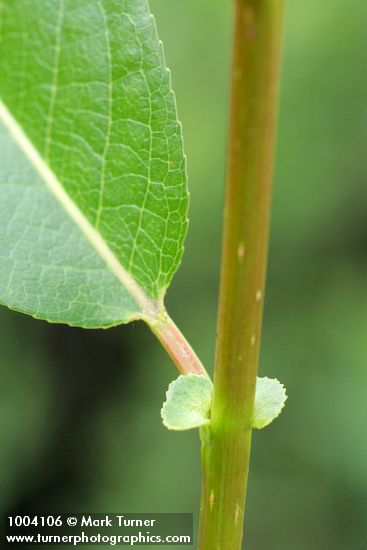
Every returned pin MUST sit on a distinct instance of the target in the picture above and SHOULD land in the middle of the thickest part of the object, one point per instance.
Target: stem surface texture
(226, 446)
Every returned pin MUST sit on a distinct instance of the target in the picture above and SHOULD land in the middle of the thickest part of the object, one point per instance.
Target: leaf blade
(135, 266)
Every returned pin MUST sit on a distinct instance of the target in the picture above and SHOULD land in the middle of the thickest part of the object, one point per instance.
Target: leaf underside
(93, 196)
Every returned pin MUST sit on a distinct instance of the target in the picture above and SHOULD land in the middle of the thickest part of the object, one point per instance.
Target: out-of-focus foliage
(80, 423)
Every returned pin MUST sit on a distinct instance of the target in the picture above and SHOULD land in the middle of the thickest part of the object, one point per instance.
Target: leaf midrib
(149, 307)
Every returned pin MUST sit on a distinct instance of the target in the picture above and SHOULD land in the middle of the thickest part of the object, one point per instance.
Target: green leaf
(269, 401)
(93, 197)
(188, 403)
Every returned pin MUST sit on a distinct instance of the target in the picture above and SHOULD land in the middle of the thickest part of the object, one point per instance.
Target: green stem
(226, 450)
(176, 344)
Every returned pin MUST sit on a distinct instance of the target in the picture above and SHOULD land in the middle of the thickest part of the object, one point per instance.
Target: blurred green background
(79, 410)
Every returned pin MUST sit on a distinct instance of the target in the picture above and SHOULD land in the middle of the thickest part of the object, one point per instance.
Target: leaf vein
(55, 77)
(109, 120)
(148, 306)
